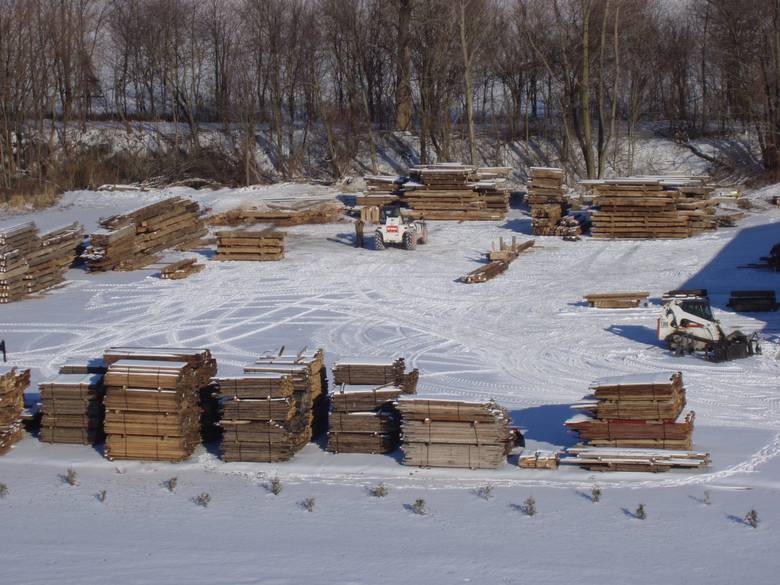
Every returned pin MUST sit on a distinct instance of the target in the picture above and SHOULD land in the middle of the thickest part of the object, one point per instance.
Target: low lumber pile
(652, 460)
(12, 386)
(263, 244)
(72, 407)
(635, 411)
(375, 371)
(181, 269)
(282, 214)
(546, 199)
(454, 433)
(753, 300)
(132, 240)
(31, 262)
(569, 228)
(381, 190)
(500, 259)
(539, 460)
(616, 300)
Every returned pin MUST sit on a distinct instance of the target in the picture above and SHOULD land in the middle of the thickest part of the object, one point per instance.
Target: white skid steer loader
(687, 325)
(395, 229)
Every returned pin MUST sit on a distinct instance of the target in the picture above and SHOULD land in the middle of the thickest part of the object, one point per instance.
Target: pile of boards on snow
(616, 300)
(180, 269)
(381, 190)
(637, 411)
(363, 418)
(454, 433)
(546, 200)
(275, 408)
(158, 402)
(260, 244)
(753, 300)
(31, 262)
(13, 383)
(499, 261)
(652, 207)
(282, 214)
(132, 240)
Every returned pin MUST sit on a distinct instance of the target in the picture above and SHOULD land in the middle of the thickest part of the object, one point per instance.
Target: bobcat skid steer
(687, 325)
(395, 229)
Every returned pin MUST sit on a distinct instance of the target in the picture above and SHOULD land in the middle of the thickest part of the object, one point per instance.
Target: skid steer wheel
(410, 241)
(676, 344)
(379, 242)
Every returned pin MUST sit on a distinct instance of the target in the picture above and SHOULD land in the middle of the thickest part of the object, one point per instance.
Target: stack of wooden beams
(132, 240)
(381, 190)
(13, 383)
(539, 460)
(616, 300)
(753, 300)
(545, 199)
(282, 214)
(569, 228)
(363, 419)
(697, 204)
(251, 244)
(72, 407)
(181, 269)
(454, 433)
(637, 411)
(652, 460)
(84, 366)
(370, 370)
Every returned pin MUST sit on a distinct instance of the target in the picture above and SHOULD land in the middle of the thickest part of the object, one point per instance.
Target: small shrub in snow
(751, 518)
(379, 490)
(170, 484)
(308, 504)
(707, 500)
(529, 506)
(70, 477)
(275, 486)
(419, 507)
(640, 512)
(485, 492)
(203, 500)
(101, 496)
(595, 494)
(3, 490)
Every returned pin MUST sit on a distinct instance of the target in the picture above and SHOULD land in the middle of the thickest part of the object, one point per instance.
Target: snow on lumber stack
(13, 383)
(546, 199)
(616, 300)
(132, 240)
(454, 433)
(375, 371)
(181, 269)
(363, 419)
(254, 245)
(72, 407)
(652, 460)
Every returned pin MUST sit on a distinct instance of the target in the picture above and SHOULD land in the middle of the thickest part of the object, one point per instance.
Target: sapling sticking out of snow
(640, 512)
(379, 490)
(485, 492)
(529, 506)
(203, 500)
(419, 507)
(308, 504)
(3, 490)
(101, 496)
(595, 494)
(70, 477)
(751, 518)
(275, 486)
(707, 501)
(170, 484)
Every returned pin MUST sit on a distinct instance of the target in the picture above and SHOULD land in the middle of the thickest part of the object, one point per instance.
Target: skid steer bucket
(734, 347)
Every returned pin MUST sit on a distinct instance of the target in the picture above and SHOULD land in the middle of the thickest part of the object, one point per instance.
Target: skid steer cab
(396, 230)
(687, 325)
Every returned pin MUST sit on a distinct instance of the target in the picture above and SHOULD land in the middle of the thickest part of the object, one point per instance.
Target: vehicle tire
(410, 241)
(676, 344)
(379, 242)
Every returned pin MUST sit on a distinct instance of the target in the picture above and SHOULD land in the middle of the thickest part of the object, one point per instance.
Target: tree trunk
(467, 85)
(403, 92)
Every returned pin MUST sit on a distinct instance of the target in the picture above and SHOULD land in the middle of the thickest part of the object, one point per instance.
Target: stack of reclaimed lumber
(616, 300)
(181, 269)
(261, 244)
(32, 262)
(569, 228)
(539, 460)
(454, 433)
(132, 240)
(72, 407)
(371, 370)
(500, 259)
(381, 190)
(753, 300)
(546, 199)
(636, 411)
(282, 214)
(652, 460)
(13, 383)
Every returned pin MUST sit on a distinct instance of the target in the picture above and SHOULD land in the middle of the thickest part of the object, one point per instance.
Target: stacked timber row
(132, 240)
(381, 190)
(72, 407)
(31, 262)
(13, 383)
(546, 199)
(282, 214)
(260, 417)
(635, 411)
(251, 244)
(363, 418)
(454, 433)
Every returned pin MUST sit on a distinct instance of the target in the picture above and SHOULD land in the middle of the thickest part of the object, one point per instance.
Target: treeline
(327, 76)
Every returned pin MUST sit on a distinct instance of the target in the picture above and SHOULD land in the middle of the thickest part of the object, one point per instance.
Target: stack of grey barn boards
(154, 401)
(363, 418)
(271, 411)
(442, 432)
(72, 404)
(13, 382)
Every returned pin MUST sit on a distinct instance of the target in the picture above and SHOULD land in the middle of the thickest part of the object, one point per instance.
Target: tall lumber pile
(546, 199)
(72, 407)
(265, 244)
(132, 240)
(31, 262)
(635, 411)
(13, 383)
(454, 433)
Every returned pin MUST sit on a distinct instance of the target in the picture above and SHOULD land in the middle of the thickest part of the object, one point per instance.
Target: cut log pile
(13, 383)
(281, 214)
(753, 300)
(31, 262)
(652, 207)
(264, 244)
(72, 407)
(637, 411)
(500, 259)
(132, 240)
(454, 433)
(181, 269)
(616, 300)
(546, 199)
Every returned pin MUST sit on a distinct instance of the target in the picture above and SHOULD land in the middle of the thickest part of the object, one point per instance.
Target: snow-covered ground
(525, 339)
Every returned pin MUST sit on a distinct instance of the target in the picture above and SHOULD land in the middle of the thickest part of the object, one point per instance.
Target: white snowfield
(525, 339)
